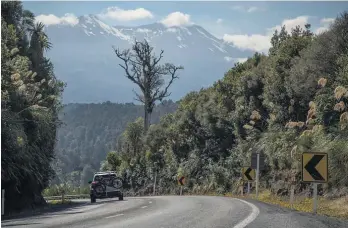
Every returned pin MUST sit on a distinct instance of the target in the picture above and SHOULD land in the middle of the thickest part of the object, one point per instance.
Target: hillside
(90, 131)
(292, 101)
(83, 57)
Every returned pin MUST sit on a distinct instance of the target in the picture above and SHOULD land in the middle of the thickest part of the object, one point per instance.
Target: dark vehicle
(105, 185)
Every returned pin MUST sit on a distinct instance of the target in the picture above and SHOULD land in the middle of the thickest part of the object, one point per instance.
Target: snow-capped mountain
(83, 57)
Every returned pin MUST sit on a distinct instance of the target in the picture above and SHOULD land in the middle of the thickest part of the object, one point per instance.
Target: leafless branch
(172, 70)
(139, 97)
(142, 67)
(125, 55)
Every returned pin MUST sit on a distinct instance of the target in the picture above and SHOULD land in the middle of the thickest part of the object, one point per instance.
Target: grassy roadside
(337, 208)
(59, 202)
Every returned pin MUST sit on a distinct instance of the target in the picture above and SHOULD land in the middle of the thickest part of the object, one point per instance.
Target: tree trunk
(146, 119)
(154, 185)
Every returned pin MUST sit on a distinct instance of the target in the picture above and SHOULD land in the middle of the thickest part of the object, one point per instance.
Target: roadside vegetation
(58, 190)
(291, 101)
(30, 102)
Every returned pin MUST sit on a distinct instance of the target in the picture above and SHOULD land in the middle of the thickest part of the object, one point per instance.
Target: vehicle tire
(93, 199)
(120, 197)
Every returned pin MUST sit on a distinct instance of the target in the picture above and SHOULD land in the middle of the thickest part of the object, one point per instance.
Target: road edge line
(251, 217)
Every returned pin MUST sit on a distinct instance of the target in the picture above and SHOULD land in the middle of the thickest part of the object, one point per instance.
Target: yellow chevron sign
(248, 173)
(181, 180)
(315, 167)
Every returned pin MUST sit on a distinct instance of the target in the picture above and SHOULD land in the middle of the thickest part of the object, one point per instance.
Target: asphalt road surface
(176, 212)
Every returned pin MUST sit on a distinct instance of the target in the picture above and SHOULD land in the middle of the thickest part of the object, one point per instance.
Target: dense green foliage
(30, 99)
(89, 131)
(291, 101)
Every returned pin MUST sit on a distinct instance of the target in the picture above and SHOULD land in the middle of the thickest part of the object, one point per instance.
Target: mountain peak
(88, 18)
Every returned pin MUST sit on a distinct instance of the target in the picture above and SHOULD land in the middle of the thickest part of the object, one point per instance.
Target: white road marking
(150, 202)
(251, 217)
(144, 207)
(112, 216)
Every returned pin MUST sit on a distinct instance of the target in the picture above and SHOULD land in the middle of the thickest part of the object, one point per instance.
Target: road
(176, 212)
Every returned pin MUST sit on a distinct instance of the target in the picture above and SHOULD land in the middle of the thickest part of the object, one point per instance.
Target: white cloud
(250, 9)
(291, 23)
(219, 21)
(321, 30)
(119, 14)
(237, 60)
(51, 19)
(255, 42)
(177, 19)
(262, 42)
(325, 22)
(241, 60)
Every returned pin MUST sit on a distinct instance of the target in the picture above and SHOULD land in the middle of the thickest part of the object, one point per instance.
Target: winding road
(176, 212)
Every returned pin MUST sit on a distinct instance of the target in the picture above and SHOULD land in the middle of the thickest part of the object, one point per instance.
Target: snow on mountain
(83, 57)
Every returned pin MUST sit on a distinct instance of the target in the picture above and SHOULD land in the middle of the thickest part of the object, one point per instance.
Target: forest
(89, 132)
(293, 100)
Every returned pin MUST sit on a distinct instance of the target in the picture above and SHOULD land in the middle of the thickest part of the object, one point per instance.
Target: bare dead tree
(142, 67)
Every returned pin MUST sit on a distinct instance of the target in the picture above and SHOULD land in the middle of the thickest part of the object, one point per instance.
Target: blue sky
(245, 24)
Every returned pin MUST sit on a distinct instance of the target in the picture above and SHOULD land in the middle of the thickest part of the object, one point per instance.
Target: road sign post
(248, 187)
(315, 170)
(257, 175)
(315, 197)
(181, 182)
(154, 184)
(292, 193)
(258, 163)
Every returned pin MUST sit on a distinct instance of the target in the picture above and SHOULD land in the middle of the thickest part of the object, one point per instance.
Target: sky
(247, 25)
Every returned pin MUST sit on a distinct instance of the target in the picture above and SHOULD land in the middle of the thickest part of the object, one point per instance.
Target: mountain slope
(83, 57)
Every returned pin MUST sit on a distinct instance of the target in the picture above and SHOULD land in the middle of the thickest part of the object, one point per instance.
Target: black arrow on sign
(246, 173)
(181, 179)
(310, 167)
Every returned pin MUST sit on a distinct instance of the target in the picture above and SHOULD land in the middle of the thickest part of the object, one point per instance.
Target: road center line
(251, 217)
(144, 207)
(150, 202)
(112, 216)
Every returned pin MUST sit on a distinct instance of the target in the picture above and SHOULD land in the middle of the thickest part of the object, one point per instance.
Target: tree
(38, 44)
(142, 68)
